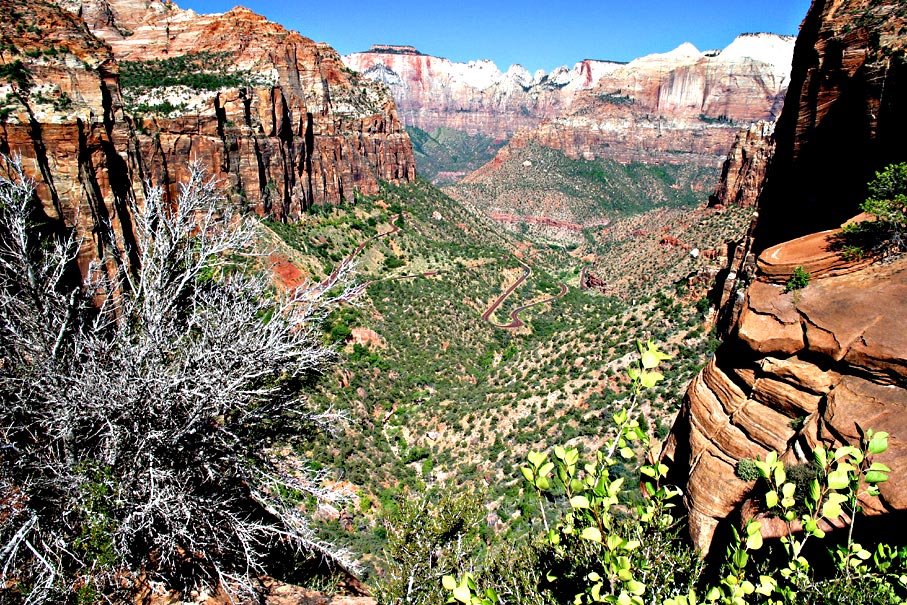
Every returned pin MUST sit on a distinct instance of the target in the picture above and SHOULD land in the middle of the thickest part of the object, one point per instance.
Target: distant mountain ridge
(474, 97)
(477, 97)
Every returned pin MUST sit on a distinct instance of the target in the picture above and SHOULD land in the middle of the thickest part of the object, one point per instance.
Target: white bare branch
(136, 434)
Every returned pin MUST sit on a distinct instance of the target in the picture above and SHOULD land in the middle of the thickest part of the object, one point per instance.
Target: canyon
(288, 128)
(677, 106)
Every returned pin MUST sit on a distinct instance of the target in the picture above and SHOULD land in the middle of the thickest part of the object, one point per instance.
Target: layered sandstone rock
(475, 97)
(743, 171)
(675, 107)
(301, 130)
(806, 367)
(847, 96)
(62, 116)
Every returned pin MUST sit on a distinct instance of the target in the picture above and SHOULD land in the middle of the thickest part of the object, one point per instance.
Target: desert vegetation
(142, 405)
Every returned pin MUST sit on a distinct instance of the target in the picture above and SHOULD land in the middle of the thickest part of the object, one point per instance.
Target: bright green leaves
(650, 355)
(539, 471)
(643, 375)
(878, 443)
(465, 591)
(753, 535)
(591, 533)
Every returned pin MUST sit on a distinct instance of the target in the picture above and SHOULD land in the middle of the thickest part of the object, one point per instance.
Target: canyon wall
(743, 172)
(291, 129)
(805, 367)
(676, 107)
(846, 120)
(475, 97)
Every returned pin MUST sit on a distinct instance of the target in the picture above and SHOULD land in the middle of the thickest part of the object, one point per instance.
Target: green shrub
(798, 281)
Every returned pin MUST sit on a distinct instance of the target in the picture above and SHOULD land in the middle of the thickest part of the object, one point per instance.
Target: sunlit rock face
(475, 97)
(677, 107)
(805, 367)
(681, 102)
(300, 130)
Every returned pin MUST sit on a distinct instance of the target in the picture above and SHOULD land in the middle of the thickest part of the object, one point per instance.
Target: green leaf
(780, 475)
(771, 499)
(788, 490)
(614, 542)
(650, 379)
(814, 490)
(838, 479)
(579, 502)
(537, 458)
(596, 592)
(527, 473)
(635, 587)
(754, 542)
(831, 510)
(820, 456)
(592, 533)
(462, 594)
(878, 443)
(837, 498)
(448, 582)
(649, 360)
(626, 453)
(546, 468)
(542, 483)
(624, 599)
(876, 477)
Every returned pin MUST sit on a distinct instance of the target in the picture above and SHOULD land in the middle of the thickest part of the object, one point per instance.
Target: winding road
(486, 316)
(514, 315)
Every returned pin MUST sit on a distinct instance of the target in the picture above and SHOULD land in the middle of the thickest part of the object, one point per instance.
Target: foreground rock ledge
(803, 368)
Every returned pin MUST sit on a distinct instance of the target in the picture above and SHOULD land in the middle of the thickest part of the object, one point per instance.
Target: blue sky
(534, 33)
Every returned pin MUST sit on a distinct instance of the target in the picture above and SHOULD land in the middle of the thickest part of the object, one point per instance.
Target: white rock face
(683, 83)
(474, 96)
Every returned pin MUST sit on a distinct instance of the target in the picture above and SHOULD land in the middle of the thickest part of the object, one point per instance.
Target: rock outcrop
(677, 107)
(743, 171)
(846, 120)
(289, 126)
(806, 367)
(803, 368)
(475, 97)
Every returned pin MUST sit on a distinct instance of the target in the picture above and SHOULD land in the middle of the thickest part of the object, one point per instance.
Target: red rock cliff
(802, 368)
(846, 120)
(301, 130)
(677, 107)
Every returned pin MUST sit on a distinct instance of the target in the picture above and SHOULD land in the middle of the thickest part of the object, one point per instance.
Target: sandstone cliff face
(60, 114)
(802, 368)
(676, 107)
(805, 367)
(303, 130)
(847, 97)
(743, 171)
(475, 97)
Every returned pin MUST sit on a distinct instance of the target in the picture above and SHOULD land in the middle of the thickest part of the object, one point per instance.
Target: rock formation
(292, 128)
(475, 97)
(677, 107)
(805, 367)
(847, 96)
(743, 171)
